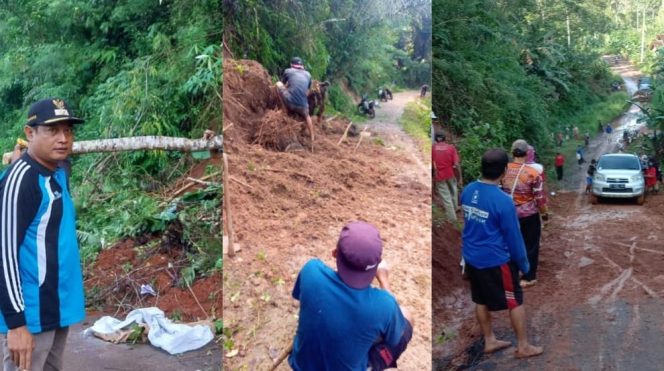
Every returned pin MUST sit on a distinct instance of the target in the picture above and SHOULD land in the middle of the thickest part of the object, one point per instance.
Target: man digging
(293, 88)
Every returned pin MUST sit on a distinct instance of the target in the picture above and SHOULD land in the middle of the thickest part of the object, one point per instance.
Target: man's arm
(540, 196)
(19, 202)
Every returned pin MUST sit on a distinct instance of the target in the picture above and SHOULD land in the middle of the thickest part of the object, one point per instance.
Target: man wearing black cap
(294, 93)
(344, 323)
(41, 285)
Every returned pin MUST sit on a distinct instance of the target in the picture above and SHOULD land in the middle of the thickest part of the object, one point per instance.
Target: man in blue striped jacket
(41, 285)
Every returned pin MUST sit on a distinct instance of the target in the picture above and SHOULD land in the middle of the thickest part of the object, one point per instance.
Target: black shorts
(382, 356)
(497, 287)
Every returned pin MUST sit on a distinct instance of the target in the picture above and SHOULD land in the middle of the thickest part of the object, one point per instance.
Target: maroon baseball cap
(359, 251)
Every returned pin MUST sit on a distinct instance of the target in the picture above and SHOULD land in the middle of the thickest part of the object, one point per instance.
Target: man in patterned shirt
(525, 185)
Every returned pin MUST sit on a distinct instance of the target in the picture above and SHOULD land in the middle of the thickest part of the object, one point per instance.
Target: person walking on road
(447, 175)
(608, 130)
(579, 155)
(293, 88)
(559, 162)
(526, 188)
(494, 253)
(344, 323)
(41, 292)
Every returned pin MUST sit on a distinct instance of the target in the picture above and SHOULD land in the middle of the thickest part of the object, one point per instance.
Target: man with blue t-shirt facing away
(494, 252)
(344, 323)
(41, 285)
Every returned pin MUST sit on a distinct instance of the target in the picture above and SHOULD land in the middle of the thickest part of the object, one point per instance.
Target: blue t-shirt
(491, 234)
(339, 324)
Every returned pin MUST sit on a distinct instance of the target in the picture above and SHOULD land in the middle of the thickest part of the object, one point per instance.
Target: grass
(416, 122)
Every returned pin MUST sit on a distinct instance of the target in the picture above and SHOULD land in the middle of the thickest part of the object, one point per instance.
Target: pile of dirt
(113, 284)
(277, 131)
(248, 94)
(252, 113)
(288, 207)
(445, 265)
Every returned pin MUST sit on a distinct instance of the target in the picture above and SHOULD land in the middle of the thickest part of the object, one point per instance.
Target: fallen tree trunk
(146, 143)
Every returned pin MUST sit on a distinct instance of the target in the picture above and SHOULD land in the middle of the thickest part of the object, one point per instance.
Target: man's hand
(545, 217)
(20, 343)
(382, 274)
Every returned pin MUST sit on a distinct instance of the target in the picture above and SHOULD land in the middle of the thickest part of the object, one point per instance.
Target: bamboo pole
(228, 219)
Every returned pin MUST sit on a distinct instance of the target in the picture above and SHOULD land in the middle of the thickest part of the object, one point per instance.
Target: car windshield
(619, 162)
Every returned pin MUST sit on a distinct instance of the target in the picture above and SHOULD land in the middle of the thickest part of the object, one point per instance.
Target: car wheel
(594, 199)
(641, 199)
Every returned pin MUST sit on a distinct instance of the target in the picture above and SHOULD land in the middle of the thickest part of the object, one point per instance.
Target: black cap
(297, 61)
(51, 111)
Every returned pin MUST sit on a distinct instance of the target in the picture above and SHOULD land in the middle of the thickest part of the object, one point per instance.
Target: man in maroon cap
(344, 323)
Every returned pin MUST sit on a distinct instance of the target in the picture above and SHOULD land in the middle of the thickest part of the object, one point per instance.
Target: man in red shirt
(447, 172)
(559, 162)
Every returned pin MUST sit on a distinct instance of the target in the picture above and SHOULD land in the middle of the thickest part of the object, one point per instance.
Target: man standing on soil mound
(41, 290)
(344, 323)
(494, 253)
(294, 93)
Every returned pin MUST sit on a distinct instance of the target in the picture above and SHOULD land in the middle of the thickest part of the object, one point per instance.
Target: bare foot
(496, 345)
(528, 351)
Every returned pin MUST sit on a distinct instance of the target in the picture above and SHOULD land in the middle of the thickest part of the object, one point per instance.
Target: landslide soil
(288, 207)
(598, 301)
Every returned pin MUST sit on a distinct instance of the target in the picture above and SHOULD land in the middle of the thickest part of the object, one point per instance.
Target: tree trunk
(569, 33)
(643, 34)
(148, 142)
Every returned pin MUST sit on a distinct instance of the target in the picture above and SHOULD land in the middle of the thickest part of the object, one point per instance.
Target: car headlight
(635, 178)
(600, 177)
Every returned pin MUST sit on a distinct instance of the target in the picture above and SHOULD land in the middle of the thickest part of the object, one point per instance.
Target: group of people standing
(503, 213)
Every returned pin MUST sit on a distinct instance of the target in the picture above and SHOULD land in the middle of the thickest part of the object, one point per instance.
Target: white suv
(618, 175)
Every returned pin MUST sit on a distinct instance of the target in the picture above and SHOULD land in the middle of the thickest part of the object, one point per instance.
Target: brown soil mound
(248, 94)
(446, 255)
(113, 284)
(288, 207)
(277, 131)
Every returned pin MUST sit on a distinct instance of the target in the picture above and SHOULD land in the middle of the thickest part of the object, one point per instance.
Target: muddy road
(598, 301)
(289, 207)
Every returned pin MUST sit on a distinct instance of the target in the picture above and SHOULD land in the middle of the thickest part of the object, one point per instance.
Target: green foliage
(416, 121)
(339, 101)
(128, 68)
(365, 43)
(503, 72)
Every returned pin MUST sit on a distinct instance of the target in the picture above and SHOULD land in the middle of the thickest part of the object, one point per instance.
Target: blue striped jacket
(41, 284)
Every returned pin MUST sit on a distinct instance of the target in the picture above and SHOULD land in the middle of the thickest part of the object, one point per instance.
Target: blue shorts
(589, 180)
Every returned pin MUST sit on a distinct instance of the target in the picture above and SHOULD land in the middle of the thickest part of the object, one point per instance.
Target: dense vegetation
(505, 70)
(359, 44)
(141, 67)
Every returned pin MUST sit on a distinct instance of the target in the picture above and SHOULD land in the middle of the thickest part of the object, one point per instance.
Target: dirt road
(289, 207)
(597, 304)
